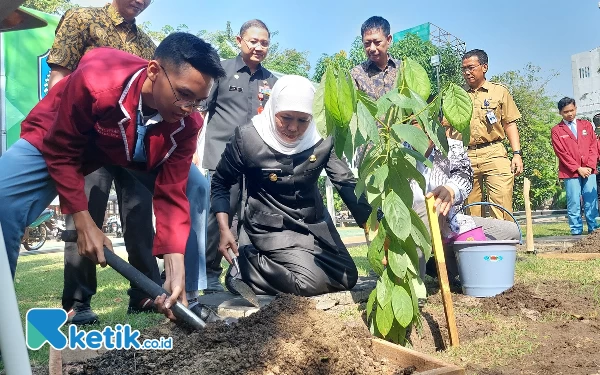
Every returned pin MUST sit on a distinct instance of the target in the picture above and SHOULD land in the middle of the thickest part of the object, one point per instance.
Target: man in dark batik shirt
(377, 75)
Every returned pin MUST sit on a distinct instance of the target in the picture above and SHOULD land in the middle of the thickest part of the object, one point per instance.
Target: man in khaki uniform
(494, 118)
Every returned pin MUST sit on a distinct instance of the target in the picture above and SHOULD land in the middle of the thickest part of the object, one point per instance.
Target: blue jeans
(576, 188)
(26, 189)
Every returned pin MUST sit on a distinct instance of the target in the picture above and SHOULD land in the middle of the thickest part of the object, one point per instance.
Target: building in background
(586, 82)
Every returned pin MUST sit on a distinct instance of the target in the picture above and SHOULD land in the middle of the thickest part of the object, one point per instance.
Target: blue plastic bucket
(486, 268)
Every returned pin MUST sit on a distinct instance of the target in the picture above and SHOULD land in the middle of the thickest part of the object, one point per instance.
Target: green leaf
(417, 156)
(339, 141)
(397, 334)
(401, 100)
(414, 299)
(384, 103)
(397, 259)
(346, 97)
(380, 175)
(397, 215)
(402, 306)
(332, 109)
(404, 168)
(420, 234)
(366, 123)
(410, 248)
(416, 78)
(375, 252)
(440, 139)
(319, 110)
(413, 136)
(367, 102)
(418, 286)
(428, 121)
(382, 292)
(370, 162)
(457, 107)
(360, 188)
(398, 182)
(370, 302)
(385, 319)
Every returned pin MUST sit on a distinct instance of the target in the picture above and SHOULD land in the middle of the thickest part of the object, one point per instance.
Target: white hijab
(290, 93)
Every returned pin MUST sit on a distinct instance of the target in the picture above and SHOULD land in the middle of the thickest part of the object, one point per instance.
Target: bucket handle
(497, 206)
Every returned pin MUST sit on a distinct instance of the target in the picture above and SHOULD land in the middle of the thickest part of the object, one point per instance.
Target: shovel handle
(141, 281)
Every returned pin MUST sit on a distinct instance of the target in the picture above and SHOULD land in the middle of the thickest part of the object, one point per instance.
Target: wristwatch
(518, 152)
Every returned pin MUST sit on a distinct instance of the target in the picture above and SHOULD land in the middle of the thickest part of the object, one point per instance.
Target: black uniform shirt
(233, 101)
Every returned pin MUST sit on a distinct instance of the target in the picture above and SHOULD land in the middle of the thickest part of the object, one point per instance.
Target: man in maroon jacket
(114, 109)
(575, 145)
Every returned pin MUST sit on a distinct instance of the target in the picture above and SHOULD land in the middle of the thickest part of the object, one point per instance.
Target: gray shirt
(233, 101)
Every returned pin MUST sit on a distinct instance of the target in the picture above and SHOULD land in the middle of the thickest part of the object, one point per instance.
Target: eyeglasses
(466, 69)
(263, 43)
(186, 104)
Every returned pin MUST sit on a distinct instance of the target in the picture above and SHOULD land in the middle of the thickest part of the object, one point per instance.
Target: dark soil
(588, 244)
(289, 336)
(563, 326)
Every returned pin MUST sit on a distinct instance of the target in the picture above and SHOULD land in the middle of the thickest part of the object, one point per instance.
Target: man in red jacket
(575, 145)
(114, 109)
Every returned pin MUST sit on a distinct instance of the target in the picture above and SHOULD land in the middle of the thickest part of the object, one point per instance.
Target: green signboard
(24, 53)
(422, 31)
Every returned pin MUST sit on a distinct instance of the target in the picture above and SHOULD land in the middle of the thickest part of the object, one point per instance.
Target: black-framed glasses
(186, 104)
(252, 45)
(466, 69)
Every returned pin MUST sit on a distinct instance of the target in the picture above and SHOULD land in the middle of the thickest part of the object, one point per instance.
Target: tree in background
(538, 116)
(50, 6)
(411, 46)
(287, 61)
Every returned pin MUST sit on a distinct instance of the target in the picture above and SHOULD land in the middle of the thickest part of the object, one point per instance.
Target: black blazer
(284, 203)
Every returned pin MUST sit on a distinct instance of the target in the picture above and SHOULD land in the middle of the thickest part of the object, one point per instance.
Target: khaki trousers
(491, 167)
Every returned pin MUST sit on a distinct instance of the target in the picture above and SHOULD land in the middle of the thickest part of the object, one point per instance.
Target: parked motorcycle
(59, 227)
(113, 225)
(36, 234)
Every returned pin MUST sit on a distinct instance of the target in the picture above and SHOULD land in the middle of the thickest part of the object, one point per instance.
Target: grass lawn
(39, 281)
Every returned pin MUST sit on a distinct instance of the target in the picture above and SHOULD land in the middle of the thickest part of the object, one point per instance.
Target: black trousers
(213, 256)
(135, 204)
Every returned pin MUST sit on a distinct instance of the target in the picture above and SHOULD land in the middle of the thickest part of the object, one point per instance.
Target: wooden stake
(530, 248)
(440, 260)
(55, 362)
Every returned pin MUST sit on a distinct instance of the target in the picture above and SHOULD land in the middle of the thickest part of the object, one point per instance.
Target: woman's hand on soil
(227, 241)
(174, 284)
(444, 198)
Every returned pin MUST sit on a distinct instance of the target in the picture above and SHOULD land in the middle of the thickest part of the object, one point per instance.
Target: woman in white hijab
(290, 244)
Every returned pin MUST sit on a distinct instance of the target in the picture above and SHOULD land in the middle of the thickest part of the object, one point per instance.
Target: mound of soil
(289, 336)
(519, 297)
(588, 244)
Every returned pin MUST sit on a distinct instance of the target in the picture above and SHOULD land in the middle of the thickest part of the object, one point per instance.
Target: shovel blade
(245, 291)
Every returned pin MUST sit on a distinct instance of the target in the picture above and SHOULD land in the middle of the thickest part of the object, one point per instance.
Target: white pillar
(12, 338)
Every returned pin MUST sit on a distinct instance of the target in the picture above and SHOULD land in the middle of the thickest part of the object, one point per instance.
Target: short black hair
(565, 102)
(181, 48)
(254, 23)
(596, 119)
(375, 23)
(479, 53)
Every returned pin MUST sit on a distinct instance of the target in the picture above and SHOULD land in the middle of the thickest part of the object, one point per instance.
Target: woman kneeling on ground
(290, 244)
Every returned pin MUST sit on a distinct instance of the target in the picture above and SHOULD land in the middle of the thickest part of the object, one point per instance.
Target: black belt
(485, 144)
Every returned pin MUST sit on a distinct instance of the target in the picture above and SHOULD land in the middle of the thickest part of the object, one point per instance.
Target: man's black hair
(596, 119)
(479, 53)
(254, 23)
(178, 49)
(565, 102)
(375, 23)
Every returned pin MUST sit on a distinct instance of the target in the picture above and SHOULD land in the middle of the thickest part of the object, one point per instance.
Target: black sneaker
(81, 314)
(145, 305)
(205, 313)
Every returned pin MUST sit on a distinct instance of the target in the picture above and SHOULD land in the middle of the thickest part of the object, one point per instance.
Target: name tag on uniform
(584, 132)
(491, 116)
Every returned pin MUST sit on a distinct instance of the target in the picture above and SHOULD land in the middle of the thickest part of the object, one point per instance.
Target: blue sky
(512, 32)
